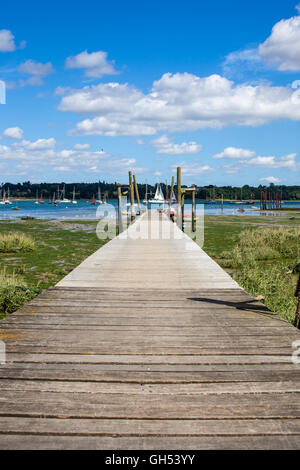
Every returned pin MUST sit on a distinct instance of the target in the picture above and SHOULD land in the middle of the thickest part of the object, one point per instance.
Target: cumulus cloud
(270, 179)
(287, 161)
(164, 145)
(233, 152)
(178, 102)
(81, 146)
(40, 144)
(95, 64)
(13, 132)
(7, 42)
(248, 158)
(192, 169)
(26, 157)
(281, 50)
(37, 70)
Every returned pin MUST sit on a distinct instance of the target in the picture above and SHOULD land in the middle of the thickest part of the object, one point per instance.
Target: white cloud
(31, 67)
(248, 158)
(192, 169)
(270, 179)
(287, 161)
(164, 145)
(40, 144)
(26, 158)
(81, 146)
(235, 153)
(176, 103)
(95, 64)
(37, 70)
(7, 43)
(281, 50)
(14, 133)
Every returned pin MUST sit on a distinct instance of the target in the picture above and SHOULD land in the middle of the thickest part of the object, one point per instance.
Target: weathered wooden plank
(148, 359)
(110, 406)
(139, 428)
(146, 389)
(142, 374)
(32, 442)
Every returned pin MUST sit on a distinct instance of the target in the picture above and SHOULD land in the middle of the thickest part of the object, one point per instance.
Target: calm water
(85, 211)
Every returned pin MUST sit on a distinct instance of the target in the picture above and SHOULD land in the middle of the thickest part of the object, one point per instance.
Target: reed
(14, 242)
(14, 292)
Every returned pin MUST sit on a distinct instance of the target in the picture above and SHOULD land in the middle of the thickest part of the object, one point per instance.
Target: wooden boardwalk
(148, 344)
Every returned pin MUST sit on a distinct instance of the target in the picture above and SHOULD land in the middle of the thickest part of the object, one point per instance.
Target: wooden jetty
(148, 344)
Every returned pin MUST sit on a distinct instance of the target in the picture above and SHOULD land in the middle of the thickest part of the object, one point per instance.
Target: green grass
(59, 247)
(14, 292)
(260, 254)
(14, 242)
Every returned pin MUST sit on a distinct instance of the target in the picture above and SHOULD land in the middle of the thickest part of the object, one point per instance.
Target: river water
(85, 211)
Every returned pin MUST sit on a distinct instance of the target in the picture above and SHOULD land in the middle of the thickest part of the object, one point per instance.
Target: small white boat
(159, 197)
(99, 200)
(74, 200)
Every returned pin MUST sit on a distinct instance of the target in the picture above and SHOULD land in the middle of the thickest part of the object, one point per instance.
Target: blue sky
(96, 88)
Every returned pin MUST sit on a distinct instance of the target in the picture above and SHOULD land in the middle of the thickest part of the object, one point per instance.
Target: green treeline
(87, 190)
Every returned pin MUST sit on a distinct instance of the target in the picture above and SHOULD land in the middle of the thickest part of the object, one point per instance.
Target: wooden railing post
(137, 193)
(120, 220)
(179, 200)
(131, 190)
(297, 316)
(193, 210)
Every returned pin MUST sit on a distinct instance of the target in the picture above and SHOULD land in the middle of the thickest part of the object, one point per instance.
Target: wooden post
(137, 193)
(297, 316)
(193, 210)
(182, 211)
(120, 220)
(179, 202)
(131, 189)
(167, 190)
(172, 190)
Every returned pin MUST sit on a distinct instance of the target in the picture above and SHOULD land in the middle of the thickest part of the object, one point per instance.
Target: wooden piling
(179, 195)
(131, 190)
(193, 210)
(137, 193)
(120, 220)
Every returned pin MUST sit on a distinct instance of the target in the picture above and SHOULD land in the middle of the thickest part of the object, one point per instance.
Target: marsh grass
(59, 247)
(14, 242)
(262, 261)
(14, 292)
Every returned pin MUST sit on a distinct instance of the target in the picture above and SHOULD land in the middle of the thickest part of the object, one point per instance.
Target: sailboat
(37, 198)
(159, 197)
(73, 200)
(7, 201)
(99, 200)
(146, 195)
(64, 200)
(2, 202)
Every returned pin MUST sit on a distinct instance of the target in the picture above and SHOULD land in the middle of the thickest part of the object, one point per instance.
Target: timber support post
(194, 209)
(131, 190)
(120, 219)
(137, 194)
(179, 196)
(297, 316)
